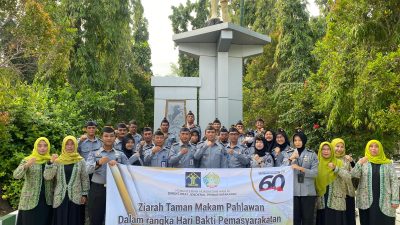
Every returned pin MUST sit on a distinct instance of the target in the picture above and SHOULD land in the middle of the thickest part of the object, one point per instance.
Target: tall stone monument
(221, 49)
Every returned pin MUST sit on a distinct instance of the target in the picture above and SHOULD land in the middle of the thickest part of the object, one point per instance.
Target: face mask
(249, 139)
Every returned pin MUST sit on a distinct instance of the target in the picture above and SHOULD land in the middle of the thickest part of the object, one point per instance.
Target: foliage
(32, 111)
(192, 15)
(63, 63)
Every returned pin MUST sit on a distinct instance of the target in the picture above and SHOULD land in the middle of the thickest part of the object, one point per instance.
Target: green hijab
(67, 158)
(325, 174)
(336, 141)
(40, 159)
(378, 159)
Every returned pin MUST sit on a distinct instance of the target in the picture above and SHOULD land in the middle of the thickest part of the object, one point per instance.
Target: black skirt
(68, 213)
(329, 216)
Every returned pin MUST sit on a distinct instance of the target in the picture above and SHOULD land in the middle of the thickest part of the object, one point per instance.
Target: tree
(182, 20)
(356, 86)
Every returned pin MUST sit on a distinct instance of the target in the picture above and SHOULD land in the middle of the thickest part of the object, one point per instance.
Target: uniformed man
(209, 153)
(223, 136)
(122, 130)
(97, 165)
(181, 154)
(169, 137)
(240, 127)
(217, 126)
(89, 142)
(157, 156)
(147, 141)
(259, 127)
(190, 123)
(237, 155)
(133, 132)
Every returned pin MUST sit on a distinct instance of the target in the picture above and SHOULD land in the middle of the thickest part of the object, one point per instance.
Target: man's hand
(103, 160)
(112, 163)
(184, 151)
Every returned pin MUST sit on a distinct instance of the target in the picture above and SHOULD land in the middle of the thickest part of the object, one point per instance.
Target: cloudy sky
(163, 52)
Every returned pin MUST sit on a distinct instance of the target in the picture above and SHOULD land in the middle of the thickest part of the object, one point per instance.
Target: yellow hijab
(69, 158)
(378, 159)
(335, 142)
(325, 174)
(40, 159)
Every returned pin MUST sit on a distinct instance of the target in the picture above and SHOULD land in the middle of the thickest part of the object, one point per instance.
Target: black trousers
(97, 204)
(303, 208)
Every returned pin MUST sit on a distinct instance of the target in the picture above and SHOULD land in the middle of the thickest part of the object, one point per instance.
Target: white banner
(148, 195)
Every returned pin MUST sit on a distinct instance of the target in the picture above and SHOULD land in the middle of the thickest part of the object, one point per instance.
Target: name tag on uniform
(191, 163)
(164, 164)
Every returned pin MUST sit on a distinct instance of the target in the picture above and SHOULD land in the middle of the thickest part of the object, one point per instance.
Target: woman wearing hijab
(71, 184)
(282, 145)
(331, 185)
(270, 140)
(36, 194)
(128, 148)
(260, 157)
(377, 196)
(348, 163)
(305, 168)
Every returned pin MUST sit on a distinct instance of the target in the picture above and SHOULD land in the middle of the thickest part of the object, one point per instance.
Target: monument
(221, 49)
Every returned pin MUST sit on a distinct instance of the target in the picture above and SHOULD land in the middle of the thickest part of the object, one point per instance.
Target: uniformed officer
(217, 126)
(237, 156)
(157, 156)
(169, 137)
(209, 153)
(133, 132)
(147, 141)
(282, 146)
(259, 127)
(223, 136)
(240, 127)
(260, 157)
(194, 137)
(122, 130)
(304, 162)
(190, 123)
(181, 154)
(97, 165)
(89, 142)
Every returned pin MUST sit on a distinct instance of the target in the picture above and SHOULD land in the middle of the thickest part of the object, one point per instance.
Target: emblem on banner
(274, 185)
(193, 179)
(211, 180)
(270, 182)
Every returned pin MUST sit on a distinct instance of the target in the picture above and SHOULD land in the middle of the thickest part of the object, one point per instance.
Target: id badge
(164, 164)
(191, 162)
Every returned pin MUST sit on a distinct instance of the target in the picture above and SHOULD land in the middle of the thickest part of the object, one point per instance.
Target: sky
(163, 51)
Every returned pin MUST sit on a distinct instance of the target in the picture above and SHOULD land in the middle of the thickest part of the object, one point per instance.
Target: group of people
(57, 187)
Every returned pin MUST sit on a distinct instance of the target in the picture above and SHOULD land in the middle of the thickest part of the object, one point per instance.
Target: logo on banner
(193, 179)
(274, 185)
(271, 182)
(211, 180)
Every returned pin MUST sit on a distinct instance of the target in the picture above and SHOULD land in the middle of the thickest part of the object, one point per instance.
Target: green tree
(182, 20)
(356, 85)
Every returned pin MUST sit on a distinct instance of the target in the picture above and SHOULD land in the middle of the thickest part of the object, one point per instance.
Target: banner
(148, 195)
